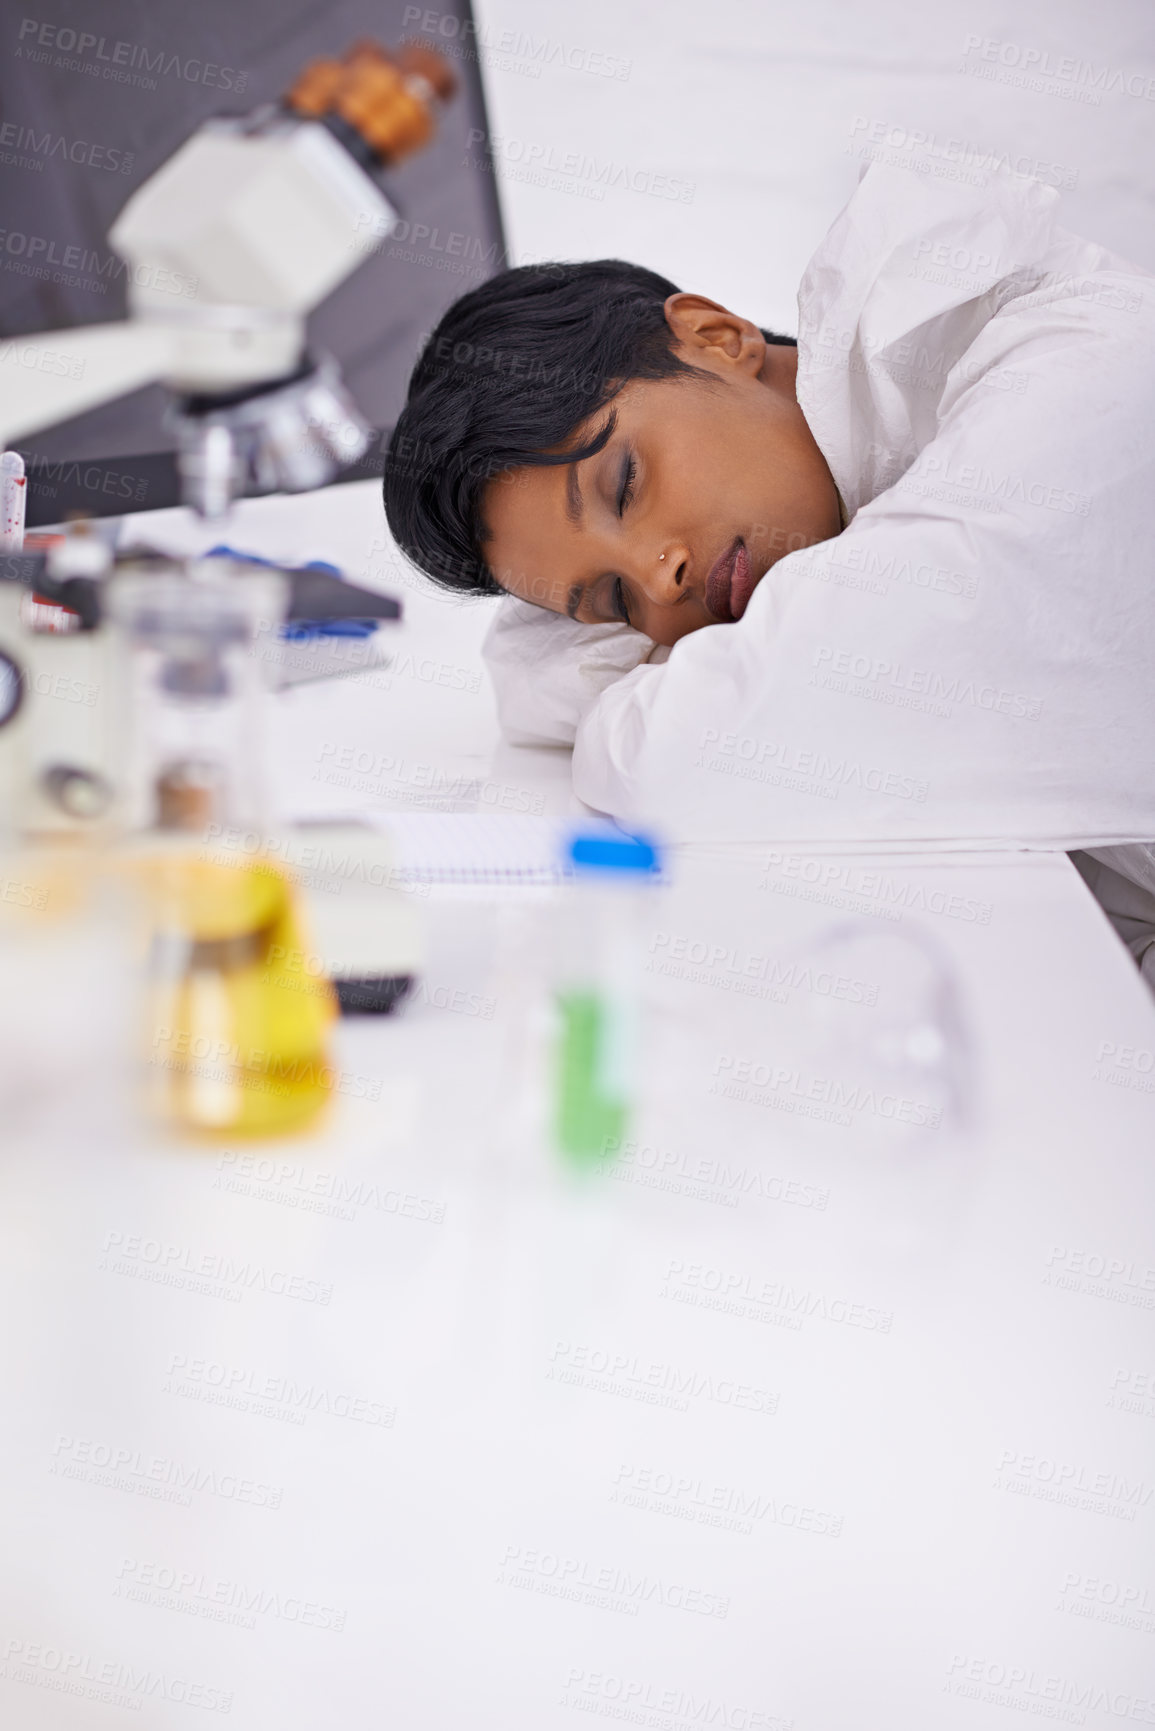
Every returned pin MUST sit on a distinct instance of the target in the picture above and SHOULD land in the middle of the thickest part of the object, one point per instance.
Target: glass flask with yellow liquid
(236, 1042)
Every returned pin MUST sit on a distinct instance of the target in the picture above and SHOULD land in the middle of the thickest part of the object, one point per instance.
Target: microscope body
(230, 244)
(262, 217)
(250, 224)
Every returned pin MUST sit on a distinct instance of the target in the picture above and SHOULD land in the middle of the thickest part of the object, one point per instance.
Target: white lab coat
(973, 659)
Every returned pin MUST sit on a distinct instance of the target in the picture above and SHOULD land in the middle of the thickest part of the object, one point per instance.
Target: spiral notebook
(479, 847)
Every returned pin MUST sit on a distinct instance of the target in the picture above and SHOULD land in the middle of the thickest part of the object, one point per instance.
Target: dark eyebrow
(573, 496)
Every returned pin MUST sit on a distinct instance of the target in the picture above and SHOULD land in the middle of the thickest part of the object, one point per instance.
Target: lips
(730, 583)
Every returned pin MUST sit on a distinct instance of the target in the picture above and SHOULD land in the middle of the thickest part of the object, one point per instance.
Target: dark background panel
(82, 124)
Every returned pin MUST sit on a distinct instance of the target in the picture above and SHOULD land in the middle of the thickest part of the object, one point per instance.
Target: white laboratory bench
(792, 1415)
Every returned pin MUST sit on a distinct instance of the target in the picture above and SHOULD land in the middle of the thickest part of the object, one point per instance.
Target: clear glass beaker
(194, 698)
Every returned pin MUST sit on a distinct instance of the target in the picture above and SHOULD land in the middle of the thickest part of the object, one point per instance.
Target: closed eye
(619, 595)
(626, 493)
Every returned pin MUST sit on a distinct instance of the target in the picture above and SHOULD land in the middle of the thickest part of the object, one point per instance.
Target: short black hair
(504, 381)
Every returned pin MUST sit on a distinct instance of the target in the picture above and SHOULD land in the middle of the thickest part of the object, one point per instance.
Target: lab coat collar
(897, 291)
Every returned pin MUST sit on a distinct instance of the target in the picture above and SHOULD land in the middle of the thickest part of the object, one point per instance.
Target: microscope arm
(57, 374)
(54, 375)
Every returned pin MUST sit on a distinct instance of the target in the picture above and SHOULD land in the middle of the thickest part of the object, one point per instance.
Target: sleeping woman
(890, 584)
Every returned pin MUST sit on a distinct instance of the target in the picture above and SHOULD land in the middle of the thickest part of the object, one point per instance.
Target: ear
(713, 335)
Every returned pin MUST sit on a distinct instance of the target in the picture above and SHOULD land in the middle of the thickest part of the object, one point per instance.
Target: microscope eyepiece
(375, 101)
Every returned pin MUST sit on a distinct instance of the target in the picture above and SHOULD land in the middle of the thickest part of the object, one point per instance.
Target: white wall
(759, 113)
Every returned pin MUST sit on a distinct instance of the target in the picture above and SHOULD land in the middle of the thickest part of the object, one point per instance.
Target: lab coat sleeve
(611, 741)
(621, 757)
(548, 671)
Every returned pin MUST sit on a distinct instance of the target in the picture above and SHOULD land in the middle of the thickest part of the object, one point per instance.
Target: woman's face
(702, 487)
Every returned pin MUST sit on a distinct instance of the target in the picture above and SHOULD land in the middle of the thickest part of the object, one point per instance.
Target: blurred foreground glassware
(237, 1039)
(601, 928)
(880, 1035)
(194, 692)
(67, 1004)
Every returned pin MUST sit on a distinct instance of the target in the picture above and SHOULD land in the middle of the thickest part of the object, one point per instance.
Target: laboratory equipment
(264, 215)
(65, 751)
(234, 1042)
(193, 749)
(881, 1048)
(56, 748)
(152, 734)
(259, 217)
(13, 499)
(193, 757)
(600, 931)
(365, 933)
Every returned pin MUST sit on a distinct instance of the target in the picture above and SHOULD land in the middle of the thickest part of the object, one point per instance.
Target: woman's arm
(548, 671)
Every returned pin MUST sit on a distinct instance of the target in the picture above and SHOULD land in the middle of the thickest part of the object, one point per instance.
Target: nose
(661, 575)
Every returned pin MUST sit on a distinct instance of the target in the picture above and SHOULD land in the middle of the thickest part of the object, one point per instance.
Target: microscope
(103, 662)
(264, 215)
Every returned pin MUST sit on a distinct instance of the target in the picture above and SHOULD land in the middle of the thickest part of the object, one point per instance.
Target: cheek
(725, 467)
(708, 452)
(667, 628)
(797, 506)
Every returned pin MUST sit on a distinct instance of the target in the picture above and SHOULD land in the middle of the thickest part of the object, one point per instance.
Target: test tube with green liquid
(601, 929)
